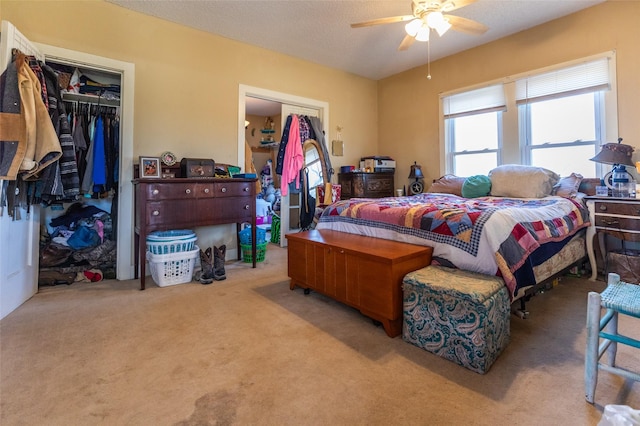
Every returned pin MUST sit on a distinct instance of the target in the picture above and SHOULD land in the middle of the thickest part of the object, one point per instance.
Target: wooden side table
(181, 203)
(619, 217)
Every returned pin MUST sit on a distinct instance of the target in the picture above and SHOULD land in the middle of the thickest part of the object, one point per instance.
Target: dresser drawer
(159, 213)
(236, 208)
(179, 191)
(618, 208)
(615, 222)
(232, 189)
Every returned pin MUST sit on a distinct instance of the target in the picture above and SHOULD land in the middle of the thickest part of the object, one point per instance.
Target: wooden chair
(602, 331)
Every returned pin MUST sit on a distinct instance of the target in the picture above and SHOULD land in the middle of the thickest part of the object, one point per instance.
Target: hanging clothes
(99, 162)
(316, 126)
(283, 145)
(67, 168)
(41, 146)
(293, 157)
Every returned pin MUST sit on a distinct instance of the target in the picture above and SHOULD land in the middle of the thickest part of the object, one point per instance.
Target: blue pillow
(476, 186)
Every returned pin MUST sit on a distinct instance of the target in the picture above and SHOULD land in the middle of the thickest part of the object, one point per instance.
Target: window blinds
(486, 99)
(587, 77)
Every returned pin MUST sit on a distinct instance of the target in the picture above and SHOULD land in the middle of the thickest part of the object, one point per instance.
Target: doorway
(289, 104)
(126, 71)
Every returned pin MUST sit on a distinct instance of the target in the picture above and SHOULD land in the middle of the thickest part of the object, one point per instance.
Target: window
(473, 130)
(560, 129)
(475, 143)
(560, 120)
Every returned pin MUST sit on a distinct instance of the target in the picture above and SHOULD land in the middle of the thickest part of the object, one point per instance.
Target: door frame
(245, 91)
(124, 244)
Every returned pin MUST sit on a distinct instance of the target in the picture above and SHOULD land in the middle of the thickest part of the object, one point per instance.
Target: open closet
(79, 231)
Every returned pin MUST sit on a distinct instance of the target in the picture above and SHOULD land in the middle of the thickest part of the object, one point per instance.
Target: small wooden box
(197, 167)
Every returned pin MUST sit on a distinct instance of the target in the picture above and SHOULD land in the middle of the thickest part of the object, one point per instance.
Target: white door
(18, 236)
(291, 204)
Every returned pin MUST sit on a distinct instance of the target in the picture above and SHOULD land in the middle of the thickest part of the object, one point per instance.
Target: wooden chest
(366, 185)
(360, 271)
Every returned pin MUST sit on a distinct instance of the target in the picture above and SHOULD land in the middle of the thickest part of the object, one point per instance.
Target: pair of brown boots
(212, 266)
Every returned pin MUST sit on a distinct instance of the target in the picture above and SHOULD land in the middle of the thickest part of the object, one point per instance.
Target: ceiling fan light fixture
(423, 33)
(443, 27)
(413, 27)
(437, 21)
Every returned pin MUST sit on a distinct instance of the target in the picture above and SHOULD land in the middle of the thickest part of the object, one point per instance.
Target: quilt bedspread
(489, 235)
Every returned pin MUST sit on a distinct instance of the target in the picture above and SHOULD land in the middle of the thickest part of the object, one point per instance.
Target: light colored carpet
(250, 351)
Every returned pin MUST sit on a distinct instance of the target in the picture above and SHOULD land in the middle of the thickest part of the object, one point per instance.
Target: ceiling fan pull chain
(428, 60)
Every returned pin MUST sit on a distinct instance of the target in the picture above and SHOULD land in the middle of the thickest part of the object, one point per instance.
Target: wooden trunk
(360, 271)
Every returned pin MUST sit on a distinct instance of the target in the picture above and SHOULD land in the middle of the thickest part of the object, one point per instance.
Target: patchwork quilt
(489, 235)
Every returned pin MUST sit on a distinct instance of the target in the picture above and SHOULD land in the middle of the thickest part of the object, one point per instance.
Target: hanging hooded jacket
(40, 147)
(13, 127)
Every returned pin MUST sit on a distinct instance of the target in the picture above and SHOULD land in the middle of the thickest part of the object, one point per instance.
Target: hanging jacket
(67, 165)
(283, 145)
(13, 126)
(316, 126)
(42, 144)
(293, 157)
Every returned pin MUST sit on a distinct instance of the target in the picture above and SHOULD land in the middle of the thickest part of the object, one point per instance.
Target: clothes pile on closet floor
(81, 247)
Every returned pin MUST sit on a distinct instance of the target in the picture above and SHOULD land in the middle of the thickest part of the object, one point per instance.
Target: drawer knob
(206, 190)
(155, 192)
(188, 191)
(603, 208)
(246, 207)
(155, 213)
(224, 189)
(245, 189)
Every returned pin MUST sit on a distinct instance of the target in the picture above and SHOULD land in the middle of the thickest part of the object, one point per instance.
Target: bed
(523, 240)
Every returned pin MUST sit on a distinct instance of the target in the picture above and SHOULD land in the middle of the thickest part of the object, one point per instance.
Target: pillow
(448, 184)
(567, 187)
(514, 180)
(476, 186)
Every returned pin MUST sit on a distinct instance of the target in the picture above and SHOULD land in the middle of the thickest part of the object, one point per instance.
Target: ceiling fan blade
(407, 41)
(379, 21)
(450, 5)
(466, 25)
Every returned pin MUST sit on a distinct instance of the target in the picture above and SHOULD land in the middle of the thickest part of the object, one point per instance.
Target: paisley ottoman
(459, 315)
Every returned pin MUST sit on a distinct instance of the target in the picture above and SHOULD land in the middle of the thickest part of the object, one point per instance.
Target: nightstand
(619, 217)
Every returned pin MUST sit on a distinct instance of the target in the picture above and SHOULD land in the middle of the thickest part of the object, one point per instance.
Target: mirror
(315, 164)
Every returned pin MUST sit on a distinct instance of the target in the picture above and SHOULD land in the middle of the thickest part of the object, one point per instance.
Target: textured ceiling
(319, 30)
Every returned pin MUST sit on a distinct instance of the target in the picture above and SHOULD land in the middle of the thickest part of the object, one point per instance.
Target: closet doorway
(289, 205)
(125, 72)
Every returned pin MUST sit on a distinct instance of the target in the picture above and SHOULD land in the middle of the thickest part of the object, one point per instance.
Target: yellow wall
(186, 81)
(408, 102)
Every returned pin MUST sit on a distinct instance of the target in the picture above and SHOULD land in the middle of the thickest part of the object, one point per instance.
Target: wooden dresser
(366, 185)
(362, 272)
(184, 203)
(619, 217)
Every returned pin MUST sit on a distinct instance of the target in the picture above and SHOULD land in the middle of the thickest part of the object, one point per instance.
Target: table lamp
(416, 173)
(619, 156)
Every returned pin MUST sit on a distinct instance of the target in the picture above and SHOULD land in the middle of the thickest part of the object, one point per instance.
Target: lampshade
(416, 172)
(423, 33)
(413, 27)
(614, 153)
(437, 21)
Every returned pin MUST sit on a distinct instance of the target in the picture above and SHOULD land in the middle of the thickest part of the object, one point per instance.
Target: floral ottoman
(459, 315)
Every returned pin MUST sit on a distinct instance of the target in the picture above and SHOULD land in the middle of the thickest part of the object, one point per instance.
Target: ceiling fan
(430, 15)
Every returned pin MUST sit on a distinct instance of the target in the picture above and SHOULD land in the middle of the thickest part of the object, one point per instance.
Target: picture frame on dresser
(150, 167)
